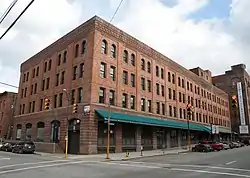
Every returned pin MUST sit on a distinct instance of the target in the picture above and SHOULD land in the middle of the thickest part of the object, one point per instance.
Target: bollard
(141, 150)
(127, 154)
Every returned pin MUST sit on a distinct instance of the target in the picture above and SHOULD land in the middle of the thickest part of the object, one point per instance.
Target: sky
(211, 34)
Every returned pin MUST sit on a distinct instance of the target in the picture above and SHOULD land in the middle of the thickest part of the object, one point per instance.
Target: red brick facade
(91, 44)
(7, 109)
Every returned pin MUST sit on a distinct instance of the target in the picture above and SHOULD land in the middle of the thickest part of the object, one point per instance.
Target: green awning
(144, 120)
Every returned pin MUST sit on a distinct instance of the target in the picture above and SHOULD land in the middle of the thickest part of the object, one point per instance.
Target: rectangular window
(175, 112)
(57, 79)
(33, 106)
(81, 70)
(162, 90)
(143, 83)
(157, 107)
(60, 99)
(132, 80)
(101, 95)
(125, 77)
(149, 106)
(180, 112)
(74, 72)
(55, 101)
(62, 77)
(112, 73)
(30, 107)
(157, 89)
(183, 98)
(37, 71)
(43, 85)
(80, 95)
(170, 111)
(31, 89)
(47, 83)
(143, 104)
(124, 100)
(174, 95)
(149, 86)
(25, 92)
(180, 96)
(103, 70)
(35, 90)
(72, 96)
(41, 105)
(169, 93)
(132, 102)
(163, 108)
(112, 97)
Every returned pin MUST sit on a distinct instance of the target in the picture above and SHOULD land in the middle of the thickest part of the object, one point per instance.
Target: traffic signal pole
(188, 132)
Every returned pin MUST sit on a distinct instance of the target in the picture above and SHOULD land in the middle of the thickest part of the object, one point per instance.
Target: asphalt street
(223, 164)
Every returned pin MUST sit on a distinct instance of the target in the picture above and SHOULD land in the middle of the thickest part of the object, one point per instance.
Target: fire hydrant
(127, 154)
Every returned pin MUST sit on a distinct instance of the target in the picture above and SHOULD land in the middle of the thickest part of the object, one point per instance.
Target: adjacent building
(110, 74)
(7, 109)
(236, 82)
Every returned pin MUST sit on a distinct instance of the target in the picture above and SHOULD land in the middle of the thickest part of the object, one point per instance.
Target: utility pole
(108, 132)
(189, 112)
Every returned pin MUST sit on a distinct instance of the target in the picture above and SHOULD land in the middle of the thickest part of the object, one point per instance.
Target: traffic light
(234, 101)
(75, 107)
(46, 104)
(189, 109)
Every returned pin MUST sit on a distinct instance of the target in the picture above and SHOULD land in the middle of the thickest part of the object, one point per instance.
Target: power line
(7, 11)
(3, 83)
(13, 23)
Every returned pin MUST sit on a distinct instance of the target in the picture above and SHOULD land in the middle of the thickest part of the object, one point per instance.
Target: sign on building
(243, 128)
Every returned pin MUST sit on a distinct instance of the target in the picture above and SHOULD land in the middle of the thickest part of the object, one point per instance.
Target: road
(223, 164)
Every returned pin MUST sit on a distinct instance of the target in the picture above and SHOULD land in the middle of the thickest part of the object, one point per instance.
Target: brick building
(237, 82)
(97, 64)
(7, 109)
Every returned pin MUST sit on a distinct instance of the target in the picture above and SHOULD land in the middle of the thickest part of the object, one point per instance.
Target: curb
(147, 156)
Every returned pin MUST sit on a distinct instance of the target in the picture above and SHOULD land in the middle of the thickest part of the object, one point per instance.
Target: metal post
(67, 125)
(108, 132)
(66, 146)
(211, 127)
(188, 133)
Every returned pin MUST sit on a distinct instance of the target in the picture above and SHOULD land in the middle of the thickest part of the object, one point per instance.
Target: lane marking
(210, 172)
(131, 165)
(42, 166)
(193, 166)
(4, 158)
(32, 163)
(231, 162)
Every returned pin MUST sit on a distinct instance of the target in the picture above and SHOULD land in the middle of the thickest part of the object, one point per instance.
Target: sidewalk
(118, 156)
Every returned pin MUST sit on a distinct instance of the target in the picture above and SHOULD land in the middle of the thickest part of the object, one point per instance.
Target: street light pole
(108, 132)
(67, 135)
(188, 133)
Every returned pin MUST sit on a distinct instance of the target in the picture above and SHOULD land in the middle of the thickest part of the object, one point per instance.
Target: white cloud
(213, 44)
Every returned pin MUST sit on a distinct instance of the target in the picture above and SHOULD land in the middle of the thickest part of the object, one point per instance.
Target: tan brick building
(96, 64)
(7, 109)
(229, 82)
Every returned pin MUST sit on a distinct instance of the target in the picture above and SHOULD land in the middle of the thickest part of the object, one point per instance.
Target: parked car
(202, 148)
(236, 145)
(225, 146)
(241, 144)
(231, 145)
(246, 142)
(7, 146)
(216, 146)
(24, 147)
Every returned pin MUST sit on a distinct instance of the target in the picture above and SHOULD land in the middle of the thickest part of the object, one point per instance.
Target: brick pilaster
(154, 138)
(118, 138)
(138, 138)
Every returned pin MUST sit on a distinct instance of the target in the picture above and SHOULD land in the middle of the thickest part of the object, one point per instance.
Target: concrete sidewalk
(118, 156)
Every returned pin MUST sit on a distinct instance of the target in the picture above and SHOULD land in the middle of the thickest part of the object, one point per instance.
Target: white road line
(4, 158)
(231, 162)
(131, 165)
(210, 172)
(32, 163)
(193, 166)
(42, 166)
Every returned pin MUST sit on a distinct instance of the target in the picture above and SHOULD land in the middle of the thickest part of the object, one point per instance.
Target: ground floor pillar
(138, 138)
(118, 137)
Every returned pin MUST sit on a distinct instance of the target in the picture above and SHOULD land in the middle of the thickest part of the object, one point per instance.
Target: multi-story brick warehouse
(97, 64)
(7, 109)
(236, 82)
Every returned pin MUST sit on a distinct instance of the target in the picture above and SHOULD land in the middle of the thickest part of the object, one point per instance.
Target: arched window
(157, 71)
(132, 59)
(149, 67)
(77, 50)
(55, 131)
(64, 56)
(113, 51)
(125, 56)
(142, 64)
(18, 131)
(179, 81)
(28, 131)
(83, 46)
(40, 131)
(169, 77)
(104, 47)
